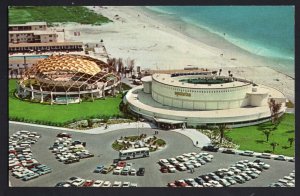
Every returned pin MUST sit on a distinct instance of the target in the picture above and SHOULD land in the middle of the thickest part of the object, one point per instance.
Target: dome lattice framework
(69, 75)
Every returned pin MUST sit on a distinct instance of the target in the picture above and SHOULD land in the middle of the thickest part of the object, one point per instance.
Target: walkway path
(193, 134)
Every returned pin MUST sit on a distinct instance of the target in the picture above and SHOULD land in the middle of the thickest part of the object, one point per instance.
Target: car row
(120, 168)
(21, 161)
(258, 155)
(286, 181)
(80, 182)
(68, 151)
(240, 172)
(184, 162)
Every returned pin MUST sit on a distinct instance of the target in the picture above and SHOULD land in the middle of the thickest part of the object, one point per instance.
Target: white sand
(155, 44)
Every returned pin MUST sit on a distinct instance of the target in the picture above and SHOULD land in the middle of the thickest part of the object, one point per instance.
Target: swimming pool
(28, 57)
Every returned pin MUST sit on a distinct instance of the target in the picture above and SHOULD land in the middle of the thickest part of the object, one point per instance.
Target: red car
(12, 152)
(171, 184)
(180, 183)
(64, 135)
(121, 164)
(164, 169)
(88, 183)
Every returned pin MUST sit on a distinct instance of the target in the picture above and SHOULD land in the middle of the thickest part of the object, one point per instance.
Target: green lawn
(252, 138)
(50, 14)
(60, 113)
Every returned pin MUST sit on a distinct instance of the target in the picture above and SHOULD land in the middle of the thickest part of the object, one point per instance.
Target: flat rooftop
(45, 44)
(174, 81)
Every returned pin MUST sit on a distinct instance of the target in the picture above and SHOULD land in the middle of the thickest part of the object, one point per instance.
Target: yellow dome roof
(73, 63)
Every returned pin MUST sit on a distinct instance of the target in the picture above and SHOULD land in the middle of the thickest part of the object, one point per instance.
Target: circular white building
(200, 99)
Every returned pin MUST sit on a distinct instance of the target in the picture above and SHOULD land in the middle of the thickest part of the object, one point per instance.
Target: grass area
(252, 137)
(132, 138)
(51, 14)
(160, 142)
(60, 113)
(117, 146)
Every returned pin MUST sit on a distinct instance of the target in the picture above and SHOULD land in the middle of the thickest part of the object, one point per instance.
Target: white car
(98, 183)
(107, 184)
(163, 161)
(126, 184)
(117, 184)
(171, 169)
(117, 170)
(78, 182)
(132, 172)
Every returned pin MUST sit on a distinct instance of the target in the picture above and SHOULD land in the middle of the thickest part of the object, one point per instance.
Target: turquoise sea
(263, 30)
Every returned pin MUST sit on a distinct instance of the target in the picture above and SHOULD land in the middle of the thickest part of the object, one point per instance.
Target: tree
(274, 109)
(274, 144)
(267, 133)
(221, 129)
(291, 140)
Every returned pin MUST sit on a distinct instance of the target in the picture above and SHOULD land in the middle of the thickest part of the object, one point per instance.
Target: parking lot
(100, 146)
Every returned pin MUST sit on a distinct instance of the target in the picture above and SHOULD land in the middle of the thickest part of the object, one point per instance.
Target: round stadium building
(192, 99)
(64, 79)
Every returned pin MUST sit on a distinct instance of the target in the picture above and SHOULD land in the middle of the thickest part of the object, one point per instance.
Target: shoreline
(157, 44)
(219, 41)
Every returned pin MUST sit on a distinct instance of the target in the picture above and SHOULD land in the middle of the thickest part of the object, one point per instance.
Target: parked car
(99, 168)
(126, 184)
(64, 135)
(171, 184)
(121, 164)
(98, 183)
(280, 158)
(164, 169)
(229, 151)
(117, 170)
(247, 153)
(264, 155)
(210, 148)
(117, 184)
(88, 183)
(125, 170)
(141, 172)
(106, 184)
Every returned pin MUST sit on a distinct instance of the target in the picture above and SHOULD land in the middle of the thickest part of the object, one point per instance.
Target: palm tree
(274, 109)
(291, 140)
(274, 144)
(267, 133)
(221, 129)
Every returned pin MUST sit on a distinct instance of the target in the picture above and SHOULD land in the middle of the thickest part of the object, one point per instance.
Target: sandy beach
(160, 44)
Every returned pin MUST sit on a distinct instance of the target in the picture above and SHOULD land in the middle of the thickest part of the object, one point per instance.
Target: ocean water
(263, 30)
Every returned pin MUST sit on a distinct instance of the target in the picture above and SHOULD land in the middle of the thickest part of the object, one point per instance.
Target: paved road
(100, 145)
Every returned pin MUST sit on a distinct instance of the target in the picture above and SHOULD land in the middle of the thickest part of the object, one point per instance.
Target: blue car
(98, 169)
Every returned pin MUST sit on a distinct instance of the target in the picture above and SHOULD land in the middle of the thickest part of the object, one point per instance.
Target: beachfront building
(29, 26)
(192, 99)
(65, 79)
(46, 47)
(32, 37)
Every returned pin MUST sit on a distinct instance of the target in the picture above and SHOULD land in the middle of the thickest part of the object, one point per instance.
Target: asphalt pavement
(100, 146)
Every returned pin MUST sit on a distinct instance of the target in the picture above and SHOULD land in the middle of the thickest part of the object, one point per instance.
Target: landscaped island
(138, 141)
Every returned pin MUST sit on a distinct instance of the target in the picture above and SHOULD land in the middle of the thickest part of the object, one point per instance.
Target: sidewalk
(195, 136)
(98, 130)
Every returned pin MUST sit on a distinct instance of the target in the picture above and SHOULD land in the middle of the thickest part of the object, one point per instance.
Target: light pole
(138, 128)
